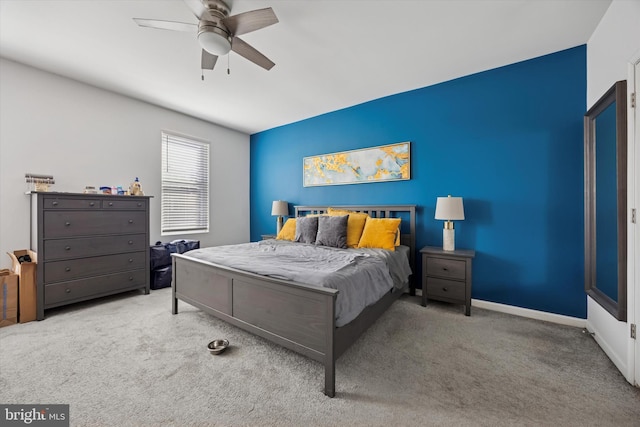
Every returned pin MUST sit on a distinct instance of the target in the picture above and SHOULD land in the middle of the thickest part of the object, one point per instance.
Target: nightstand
(446, 276)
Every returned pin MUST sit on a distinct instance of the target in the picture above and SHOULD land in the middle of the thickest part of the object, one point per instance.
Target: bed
(292, 313)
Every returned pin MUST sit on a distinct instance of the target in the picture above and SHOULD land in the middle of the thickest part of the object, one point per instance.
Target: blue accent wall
(508, 140)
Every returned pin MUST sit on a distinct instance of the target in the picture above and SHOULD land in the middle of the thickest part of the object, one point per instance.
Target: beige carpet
(127, 361)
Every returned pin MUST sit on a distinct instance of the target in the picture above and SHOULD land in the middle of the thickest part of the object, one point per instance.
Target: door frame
(633, 235)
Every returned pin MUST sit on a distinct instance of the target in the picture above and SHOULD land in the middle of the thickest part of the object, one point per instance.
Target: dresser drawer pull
(445, 289)
(130, 221)
(130, 278)
(66, 224)
(67, 269)
(54, 203)
(130, 242)
(445, 269)
(130, 259)
(139, 204)
(67, 248)
(92, 203)
(110, 203)
(68, 290)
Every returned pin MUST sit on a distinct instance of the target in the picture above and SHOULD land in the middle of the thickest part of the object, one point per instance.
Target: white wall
(83, 135)
(612, 46)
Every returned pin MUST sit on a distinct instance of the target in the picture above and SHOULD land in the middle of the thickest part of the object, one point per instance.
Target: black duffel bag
(159, 256)
(161, 277)
(182, 246)
(160, 253)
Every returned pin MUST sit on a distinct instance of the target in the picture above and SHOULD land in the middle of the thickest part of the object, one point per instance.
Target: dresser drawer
(123, 203)
(446, 290)
(59, 271)
(76, 290)
(58, 249)
(447, 268)
(70, 203)
(82, 223)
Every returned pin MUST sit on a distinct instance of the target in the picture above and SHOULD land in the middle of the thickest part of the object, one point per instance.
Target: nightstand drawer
(447, 290)
(447, 268)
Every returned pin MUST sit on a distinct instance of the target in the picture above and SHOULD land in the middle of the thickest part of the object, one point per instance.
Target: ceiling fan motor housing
(213, 35)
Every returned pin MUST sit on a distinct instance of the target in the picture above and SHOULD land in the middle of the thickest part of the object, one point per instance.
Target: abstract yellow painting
(383, 163)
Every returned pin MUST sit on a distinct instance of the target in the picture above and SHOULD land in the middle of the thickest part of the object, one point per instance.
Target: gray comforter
(362, 276)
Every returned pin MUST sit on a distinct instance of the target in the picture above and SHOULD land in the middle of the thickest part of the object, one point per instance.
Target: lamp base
(448, 239)
(279, 225)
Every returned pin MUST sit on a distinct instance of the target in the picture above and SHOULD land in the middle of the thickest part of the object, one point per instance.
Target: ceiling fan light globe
(214, 43)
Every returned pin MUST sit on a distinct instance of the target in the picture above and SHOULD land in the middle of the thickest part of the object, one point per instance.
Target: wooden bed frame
(294, 315)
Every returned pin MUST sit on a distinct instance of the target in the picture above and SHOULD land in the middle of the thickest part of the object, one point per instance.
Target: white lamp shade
(280, 208)
(449, 208)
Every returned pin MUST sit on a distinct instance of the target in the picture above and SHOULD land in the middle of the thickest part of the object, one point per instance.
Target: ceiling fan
(218, 32)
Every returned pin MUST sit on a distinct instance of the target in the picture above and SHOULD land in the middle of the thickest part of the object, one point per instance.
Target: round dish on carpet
(218, 346)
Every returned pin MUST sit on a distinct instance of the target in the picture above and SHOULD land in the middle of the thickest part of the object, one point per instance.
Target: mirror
(605, 202)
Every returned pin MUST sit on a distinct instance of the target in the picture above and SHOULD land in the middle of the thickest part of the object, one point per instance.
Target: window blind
(185, 185)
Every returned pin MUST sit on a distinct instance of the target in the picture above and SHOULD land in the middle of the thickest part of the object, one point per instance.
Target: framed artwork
(376, 164)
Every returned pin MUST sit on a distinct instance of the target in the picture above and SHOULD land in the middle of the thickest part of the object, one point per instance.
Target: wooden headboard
(406, 212)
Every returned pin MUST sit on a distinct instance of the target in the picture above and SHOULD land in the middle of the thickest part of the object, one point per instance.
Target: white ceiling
(329, 54)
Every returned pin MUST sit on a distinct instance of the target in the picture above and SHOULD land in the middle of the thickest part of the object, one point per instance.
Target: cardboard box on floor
(8, 298)
(26, 272)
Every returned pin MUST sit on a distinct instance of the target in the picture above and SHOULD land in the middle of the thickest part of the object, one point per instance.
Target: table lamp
(449, 209)
(279, 208)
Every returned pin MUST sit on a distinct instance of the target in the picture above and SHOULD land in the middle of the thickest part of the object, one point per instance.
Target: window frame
(197, 155)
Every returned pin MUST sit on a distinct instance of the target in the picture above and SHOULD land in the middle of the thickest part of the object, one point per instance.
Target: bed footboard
(297, 316)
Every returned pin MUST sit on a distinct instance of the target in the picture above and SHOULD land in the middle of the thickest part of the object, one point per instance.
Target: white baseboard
(532, 314)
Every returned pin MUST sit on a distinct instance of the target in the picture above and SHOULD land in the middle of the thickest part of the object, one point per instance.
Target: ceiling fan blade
(167, 25)
(199, 9)
(208, 60)
(243, 49)
(246, 22)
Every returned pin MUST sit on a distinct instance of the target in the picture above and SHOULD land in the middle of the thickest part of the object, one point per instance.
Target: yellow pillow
(355, 224)
(288, 230)
(380, 233)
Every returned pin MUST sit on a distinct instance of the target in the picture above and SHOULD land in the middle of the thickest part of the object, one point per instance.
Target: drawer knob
(54, 203)
(445, 268)
(139, 204)
(92, 203)
(67, 269)
(130, 242)
(130, 259)
(130, 221)
(445, 289)
(68, 290)
(66, 224)
(110, 203)
(67, 248)
(130, 278)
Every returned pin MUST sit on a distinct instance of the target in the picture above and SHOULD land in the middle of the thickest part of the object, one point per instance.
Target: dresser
(446, 276)
(88, 246)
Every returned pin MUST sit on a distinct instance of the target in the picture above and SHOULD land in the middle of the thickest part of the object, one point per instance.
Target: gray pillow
(332, 231)
(306, 229)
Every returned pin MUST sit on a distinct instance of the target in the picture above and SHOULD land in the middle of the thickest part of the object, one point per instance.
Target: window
(185, 185)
